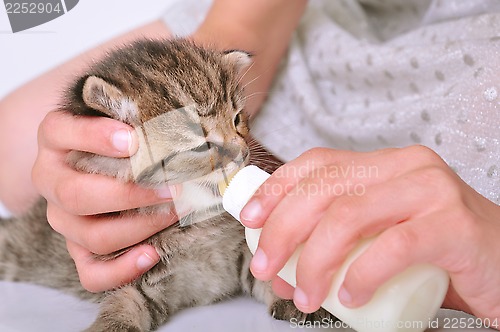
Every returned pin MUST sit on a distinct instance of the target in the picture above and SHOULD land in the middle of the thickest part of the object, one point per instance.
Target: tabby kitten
(185, 103)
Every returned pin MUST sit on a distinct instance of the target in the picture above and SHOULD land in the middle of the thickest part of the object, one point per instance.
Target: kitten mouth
(224, 183)
(218, 177)
(153, 176)
(228, 174)
(181, 167)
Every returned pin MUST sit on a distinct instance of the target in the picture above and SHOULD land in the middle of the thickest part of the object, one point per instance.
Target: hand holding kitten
(75, 200)
(78, 203)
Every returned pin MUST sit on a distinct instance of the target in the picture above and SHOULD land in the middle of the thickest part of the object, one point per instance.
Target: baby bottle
(407, 302)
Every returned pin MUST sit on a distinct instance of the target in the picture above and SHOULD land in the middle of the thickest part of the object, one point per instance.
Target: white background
(25, 55)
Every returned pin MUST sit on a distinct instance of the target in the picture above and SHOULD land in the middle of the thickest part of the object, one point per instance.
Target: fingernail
(344, 296)
(145, 262)
(122, 140)
(165, 192)
(300, 298)
(251, 212)
(259, 261)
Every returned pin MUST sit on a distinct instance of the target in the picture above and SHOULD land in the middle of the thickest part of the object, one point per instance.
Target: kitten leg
(30, 251)
(281, 309)
(123, 310)
(96, 164)
(286, 310)
(262, 291)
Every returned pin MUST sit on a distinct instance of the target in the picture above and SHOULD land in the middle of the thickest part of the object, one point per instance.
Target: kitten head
(185, 103)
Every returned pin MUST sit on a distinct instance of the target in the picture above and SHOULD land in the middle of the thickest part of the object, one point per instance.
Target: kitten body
(186, 105)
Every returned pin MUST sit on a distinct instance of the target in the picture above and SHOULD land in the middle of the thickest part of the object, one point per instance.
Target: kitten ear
(108, 99)
(240, 59)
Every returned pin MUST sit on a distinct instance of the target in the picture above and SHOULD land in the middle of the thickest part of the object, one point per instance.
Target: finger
(294, 218)
(352, 218)
(75, 192)
(284, 180)
(298, 213)
(439, 239)
(366, 168)
(106, 234)
(394, 259)
(282, 289)
(97, 275)
(63, 131)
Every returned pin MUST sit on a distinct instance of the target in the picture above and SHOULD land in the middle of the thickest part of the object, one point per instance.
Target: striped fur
(201, 263)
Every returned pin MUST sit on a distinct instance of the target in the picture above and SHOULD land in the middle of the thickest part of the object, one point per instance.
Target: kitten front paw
(86, 162)
(286, 310)
(106, 327)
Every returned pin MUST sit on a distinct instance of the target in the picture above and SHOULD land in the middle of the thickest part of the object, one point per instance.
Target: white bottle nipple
(407, 302)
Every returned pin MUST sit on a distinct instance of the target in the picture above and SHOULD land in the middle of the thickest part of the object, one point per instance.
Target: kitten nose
(224, 149)
(229, 152)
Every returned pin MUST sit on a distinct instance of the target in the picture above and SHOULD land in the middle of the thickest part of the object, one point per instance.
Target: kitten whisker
(250, 82)
(245, 73)
(253, 95)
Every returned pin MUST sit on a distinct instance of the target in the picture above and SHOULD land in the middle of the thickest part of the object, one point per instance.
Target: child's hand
(425, 213)
(77, 202)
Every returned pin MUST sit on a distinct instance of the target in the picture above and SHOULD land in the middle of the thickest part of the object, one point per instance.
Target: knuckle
(96, 241)
(346, 211)
(46, 127)
(356, 277)
(438, 181)
(423, 154)
(69, 194)
(131, 194)
(400, 242)
(331, 172)
(35, 174)
(84, 267)
(314, 153)
(53, 219)
(83, 270)
(38, 176)
(86, 279)
(65, 195)
(385, 151)
(418, 155)
(341, 217)
(432, 176)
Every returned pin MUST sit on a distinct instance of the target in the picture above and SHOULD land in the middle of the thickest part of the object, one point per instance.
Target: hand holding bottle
(422, 210)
